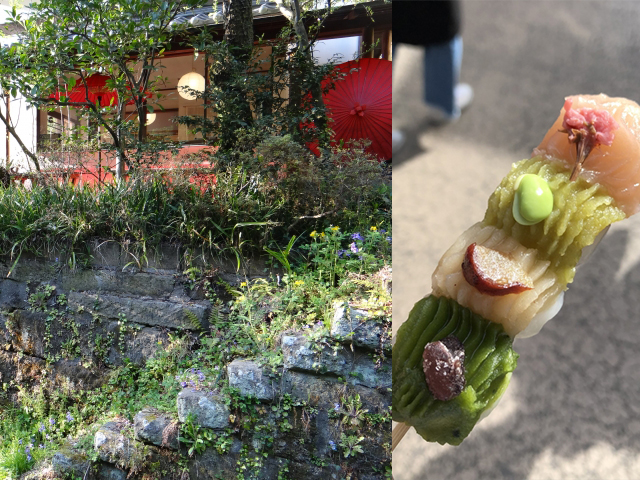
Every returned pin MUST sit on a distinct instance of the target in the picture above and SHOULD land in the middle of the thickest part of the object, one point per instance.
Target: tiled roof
(212, 14)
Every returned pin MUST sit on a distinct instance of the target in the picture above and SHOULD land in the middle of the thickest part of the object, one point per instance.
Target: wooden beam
(367, 42)
(386, 45)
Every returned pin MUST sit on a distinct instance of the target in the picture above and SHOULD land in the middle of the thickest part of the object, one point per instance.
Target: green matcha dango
(533, 201)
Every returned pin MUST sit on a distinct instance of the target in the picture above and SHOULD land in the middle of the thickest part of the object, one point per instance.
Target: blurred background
(572, 410)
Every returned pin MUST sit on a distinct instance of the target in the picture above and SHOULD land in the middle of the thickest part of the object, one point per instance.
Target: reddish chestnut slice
(443, 366)
(494, 273)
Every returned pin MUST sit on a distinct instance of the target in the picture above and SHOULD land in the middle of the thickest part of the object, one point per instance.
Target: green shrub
(267, 194)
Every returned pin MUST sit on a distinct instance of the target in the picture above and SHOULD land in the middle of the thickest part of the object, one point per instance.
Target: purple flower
(354, 248)
(42, 427)
(183, 384)
(389, 239)
(27, 450)
(341, 253)
(337, 406)
(357, 236)
(69, 417)
(29, 458)
(20, 442)
(52, 421)
(332, 444)
(41, 446)
(382, 230)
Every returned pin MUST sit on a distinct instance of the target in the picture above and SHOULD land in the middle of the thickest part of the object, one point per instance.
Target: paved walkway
(573, 408)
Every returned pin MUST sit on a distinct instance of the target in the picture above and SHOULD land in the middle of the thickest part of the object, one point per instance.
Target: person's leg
(440, 77)
(462, 92)
(398, 137)
(442, 70)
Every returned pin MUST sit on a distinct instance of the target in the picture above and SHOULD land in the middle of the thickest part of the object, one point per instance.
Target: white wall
(24, 121)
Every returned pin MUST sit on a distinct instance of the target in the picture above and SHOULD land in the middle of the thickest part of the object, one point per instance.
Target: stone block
(105, 253)
(164, 258)
(249, 377)
(139, 346)
(113, 254)
(114, 447)
(68, 462)
(30, 268)
(356, 367)
(71, 372)
(28, 333)
(325, 392)
(20, 367)
(157, 428)
(209, 410)
(116, 281)
(13, 294)
(158, 313)
(357, 326)
(109, 472)
(298, 354)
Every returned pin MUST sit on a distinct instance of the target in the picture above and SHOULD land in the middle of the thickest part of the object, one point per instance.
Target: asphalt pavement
(572, 410)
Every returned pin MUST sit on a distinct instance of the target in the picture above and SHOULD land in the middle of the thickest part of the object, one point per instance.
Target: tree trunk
(238, 33)
(119, 144)
(238, 27)
(119, 166)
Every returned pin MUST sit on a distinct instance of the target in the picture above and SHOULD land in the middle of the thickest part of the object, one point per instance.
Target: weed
(38, 300)
(351, 445)
(193, 320)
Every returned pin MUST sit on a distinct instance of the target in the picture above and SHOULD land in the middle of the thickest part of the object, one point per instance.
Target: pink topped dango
(594, 126)
(598, 137)
(587, 128)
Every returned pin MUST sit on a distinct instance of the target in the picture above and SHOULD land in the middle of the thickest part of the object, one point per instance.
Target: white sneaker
(398, 140)
(463, 95)
(462, 98)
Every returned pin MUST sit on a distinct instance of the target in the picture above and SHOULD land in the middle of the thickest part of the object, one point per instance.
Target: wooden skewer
(400, 429)
(398, 432)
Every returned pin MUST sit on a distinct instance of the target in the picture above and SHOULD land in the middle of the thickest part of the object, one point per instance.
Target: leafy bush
(269, 193)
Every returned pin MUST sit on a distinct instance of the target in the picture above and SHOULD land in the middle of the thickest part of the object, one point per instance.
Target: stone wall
(283, 422)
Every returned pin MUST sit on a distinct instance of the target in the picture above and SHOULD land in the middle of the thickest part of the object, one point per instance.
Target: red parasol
(360, 104)
(96, 90)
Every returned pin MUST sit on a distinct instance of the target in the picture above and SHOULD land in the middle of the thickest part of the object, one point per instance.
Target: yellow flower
(322, 235)
(335, 229)
(298, 282)
(313, 234)
(243, 284)
(374, 229)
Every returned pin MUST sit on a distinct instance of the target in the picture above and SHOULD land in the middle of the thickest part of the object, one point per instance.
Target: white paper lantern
(191, 80)
(151, 117)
